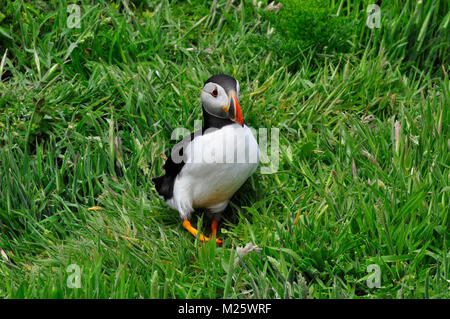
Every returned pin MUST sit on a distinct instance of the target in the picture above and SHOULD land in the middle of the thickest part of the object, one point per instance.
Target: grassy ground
(86, 115)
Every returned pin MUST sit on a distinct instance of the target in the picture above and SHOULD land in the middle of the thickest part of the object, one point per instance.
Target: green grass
(364, 175)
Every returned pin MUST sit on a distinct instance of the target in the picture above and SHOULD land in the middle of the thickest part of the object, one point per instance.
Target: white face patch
(214, 98)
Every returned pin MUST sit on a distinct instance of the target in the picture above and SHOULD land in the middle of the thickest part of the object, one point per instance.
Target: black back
(164, 184)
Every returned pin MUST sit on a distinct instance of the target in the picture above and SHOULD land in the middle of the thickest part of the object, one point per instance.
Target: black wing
(164, 184)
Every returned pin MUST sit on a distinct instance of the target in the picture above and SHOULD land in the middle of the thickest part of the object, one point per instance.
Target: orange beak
(234, 110)
(238, 118)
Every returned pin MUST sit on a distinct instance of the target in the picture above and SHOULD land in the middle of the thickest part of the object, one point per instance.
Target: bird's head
(220, 98)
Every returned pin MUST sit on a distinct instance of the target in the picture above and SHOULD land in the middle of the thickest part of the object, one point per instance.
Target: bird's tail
(164, 186)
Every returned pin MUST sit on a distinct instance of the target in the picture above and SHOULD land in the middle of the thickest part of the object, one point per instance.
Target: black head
(220, 99)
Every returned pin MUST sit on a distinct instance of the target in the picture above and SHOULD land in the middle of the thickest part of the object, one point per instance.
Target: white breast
(217, 165)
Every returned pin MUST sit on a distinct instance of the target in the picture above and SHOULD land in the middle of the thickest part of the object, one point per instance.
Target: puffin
(206, 168)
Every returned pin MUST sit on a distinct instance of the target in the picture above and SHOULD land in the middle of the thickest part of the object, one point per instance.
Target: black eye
(214, 93)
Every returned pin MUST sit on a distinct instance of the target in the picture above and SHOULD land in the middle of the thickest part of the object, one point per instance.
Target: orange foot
(194, 232)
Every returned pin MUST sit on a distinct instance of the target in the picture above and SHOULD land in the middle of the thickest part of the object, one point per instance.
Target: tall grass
(413, 34)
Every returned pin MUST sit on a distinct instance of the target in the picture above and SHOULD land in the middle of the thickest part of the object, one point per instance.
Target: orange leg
(214, 230)
(194, 232)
